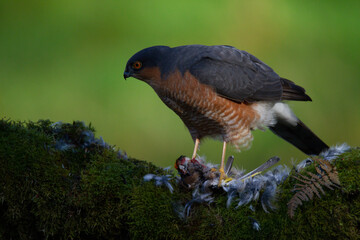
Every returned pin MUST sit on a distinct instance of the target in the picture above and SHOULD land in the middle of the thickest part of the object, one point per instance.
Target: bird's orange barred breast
(204, 112)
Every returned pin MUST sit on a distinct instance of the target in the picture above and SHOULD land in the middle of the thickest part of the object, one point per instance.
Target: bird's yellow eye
(137, 65)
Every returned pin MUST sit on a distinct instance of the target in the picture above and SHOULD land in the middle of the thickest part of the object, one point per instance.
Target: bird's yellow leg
(221, 170)
(197, 141)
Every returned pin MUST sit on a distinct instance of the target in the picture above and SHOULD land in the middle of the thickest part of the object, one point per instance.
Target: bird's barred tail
(300, 136)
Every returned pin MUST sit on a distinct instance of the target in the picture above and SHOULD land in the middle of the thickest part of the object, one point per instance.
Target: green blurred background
(64, 61)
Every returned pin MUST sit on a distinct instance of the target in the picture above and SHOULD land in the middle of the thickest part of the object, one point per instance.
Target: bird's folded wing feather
(237, 75)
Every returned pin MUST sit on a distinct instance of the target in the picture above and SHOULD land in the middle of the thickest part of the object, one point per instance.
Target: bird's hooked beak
(127, 74)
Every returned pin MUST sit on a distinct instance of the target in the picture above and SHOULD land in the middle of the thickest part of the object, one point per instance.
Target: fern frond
(312, 184)
(315, 190)
(330, 170)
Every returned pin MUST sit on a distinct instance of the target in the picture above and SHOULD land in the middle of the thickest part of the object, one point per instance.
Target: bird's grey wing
(236, 75)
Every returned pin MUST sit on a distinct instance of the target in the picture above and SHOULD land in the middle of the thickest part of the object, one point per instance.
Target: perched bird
(224, 93)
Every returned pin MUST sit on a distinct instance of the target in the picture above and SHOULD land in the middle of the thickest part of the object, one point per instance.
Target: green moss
(348, 166)
(334, 216)
(66, 194)
(152, 215)
(89, 191)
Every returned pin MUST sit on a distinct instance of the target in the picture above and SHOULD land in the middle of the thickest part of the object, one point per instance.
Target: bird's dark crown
(148, 57)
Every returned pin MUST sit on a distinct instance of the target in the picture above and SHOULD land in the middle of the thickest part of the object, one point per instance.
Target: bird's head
(146, 64)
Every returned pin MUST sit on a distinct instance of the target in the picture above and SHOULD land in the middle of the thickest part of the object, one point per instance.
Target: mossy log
(69, 185)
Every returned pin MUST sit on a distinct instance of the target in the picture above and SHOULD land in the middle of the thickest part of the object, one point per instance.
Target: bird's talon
(222, 176)
(228, 180)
